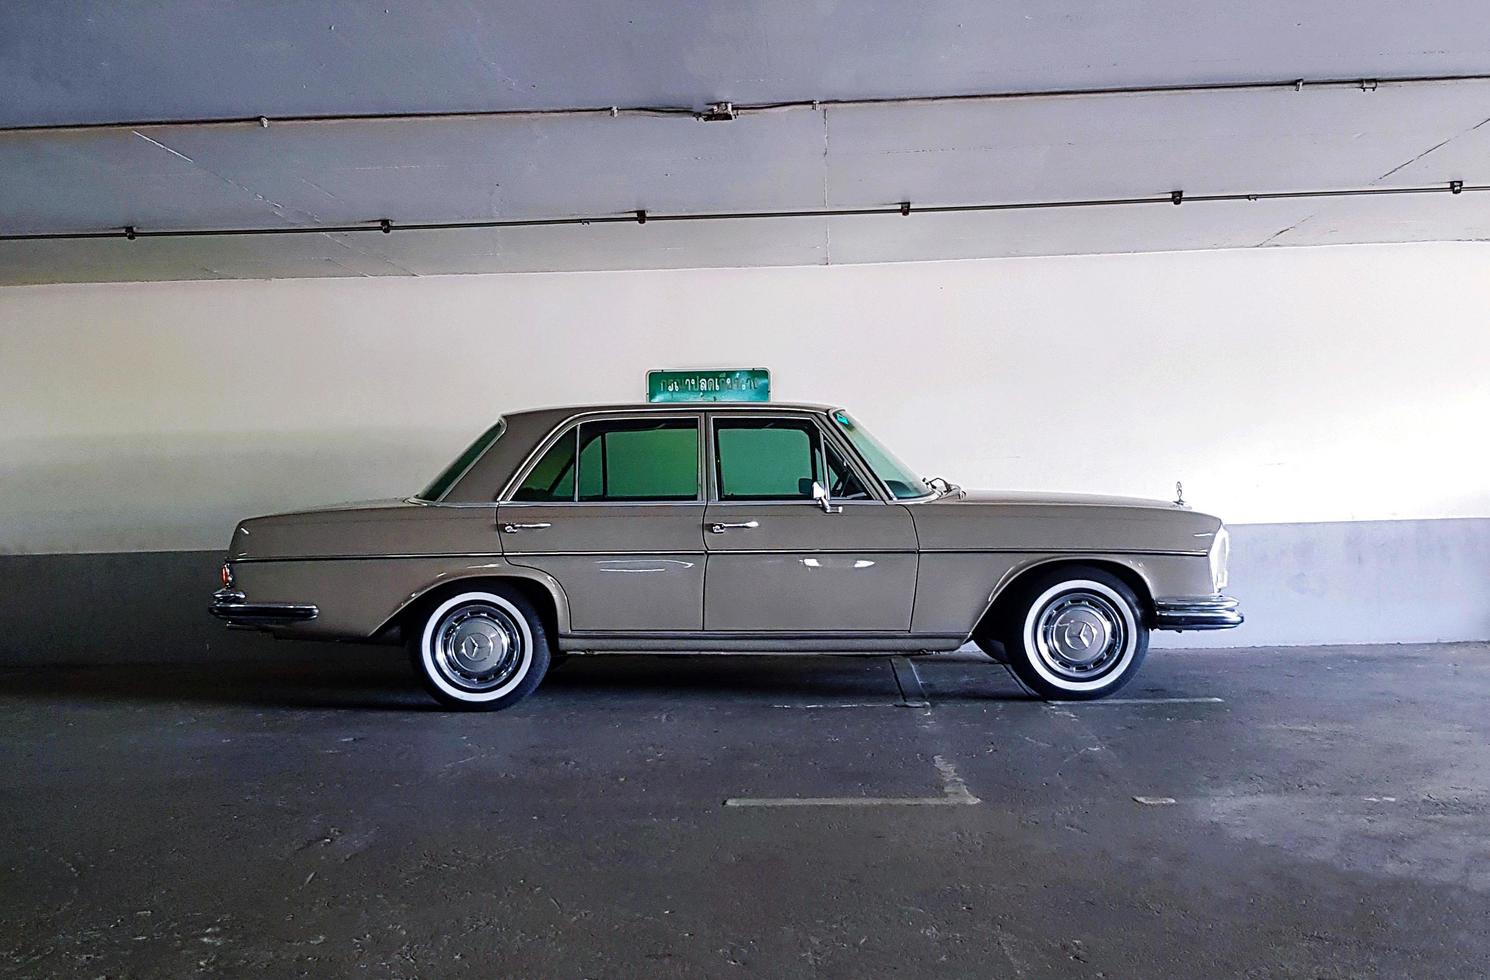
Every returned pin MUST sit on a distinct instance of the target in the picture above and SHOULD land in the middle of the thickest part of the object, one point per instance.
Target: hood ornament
(1179, 494)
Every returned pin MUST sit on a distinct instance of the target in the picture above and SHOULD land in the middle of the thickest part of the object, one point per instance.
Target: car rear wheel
(1074, 634)
(482, 649)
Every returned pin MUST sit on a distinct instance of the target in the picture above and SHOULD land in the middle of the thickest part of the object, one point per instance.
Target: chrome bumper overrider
(1208, 612)
(230, 605)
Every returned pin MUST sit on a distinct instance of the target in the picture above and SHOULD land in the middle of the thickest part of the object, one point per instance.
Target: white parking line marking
(909, 683)
(849, 801)
(954, 793)
(850, 704)
(1144, 701)
(952, 785)
(910, 703)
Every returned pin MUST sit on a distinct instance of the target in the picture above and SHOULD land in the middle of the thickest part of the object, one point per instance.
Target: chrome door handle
(721, 528)
(510, 528)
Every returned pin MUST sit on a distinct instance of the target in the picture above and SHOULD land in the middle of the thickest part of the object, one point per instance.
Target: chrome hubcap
(1080, 634)
(478, 647)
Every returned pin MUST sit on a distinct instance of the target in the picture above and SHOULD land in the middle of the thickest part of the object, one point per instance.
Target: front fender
(955, 590)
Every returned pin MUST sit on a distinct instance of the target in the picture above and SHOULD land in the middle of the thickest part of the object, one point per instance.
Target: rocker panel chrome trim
(761, 642)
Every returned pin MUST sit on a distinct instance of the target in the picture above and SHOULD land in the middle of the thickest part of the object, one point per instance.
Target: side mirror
(820, 495)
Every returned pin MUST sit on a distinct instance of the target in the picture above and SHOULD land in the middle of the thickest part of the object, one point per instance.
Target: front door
(776, 561)
(613, 510)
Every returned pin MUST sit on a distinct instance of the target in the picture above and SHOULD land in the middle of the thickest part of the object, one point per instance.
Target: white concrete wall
(1285, 387)
(1281, 385)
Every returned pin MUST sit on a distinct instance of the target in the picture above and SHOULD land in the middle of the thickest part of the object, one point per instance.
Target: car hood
(1037, 497)
(1060, 522)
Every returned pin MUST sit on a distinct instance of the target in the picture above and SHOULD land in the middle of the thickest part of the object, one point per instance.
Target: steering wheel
(840, 487)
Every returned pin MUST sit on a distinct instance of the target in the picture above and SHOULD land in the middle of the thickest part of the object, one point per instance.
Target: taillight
(227, 576)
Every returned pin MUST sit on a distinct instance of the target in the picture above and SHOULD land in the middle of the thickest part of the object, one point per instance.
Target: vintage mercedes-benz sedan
(724, 527)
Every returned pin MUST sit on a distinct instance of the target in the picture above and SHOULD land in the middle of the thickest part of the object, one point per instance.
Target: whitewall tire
(1075, 634)
(480, 649)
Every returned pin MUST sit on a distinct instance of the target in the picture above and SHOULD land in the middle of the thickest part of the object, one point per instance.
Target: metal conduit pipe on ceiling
(904, 209)
(1363, 83)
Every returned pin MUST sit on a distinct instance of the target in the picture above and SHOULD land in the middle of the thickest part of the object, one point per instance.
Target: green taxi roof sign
(732, 385)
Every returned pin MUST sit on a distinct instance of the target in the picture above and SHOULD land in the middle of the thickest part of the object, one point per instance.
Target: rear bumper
(1204, 612)
(232, 607)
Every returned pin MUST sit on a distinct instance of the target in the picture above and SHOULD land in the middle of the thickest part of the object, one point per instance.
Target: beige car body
(881, 574)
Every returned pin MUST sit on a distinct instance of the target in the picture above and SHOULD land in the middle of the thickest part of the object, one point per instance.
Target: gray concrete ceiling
(109, 62)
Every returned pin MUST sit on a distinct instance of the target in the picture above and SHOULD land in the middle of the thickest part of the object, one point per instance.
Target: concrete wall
(1294, 389)
(1343, 582)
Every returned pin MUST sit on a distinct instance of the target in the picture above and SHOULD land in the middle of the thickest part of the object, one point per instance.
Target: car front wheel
(483, 649)
(1074, 634)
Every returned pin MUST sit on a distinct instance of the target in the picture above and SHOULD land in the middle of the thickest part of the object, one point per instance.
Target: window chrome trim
(600, 503)
(705, 415)
(793, 502)
(869, 481)
(573, 422)
(862, 469)
(837, 429)
(539, 457)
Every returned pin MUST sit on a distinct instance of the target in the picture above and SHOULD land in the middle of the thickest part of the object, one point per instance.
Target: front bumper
(232, 606)
(1206, 612)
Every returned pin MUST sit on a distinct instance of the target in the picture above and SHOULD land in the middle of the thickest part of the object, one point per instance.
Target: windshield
(441, 484)
(896, 475)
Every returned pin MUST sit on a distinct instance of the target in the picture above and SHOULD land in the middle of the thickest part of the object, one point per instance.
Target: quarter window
(553, 477)
(842, 483)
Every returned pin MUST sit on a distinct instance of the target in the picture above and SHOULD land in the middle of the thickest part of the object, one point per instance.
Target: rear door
(776, 561)
(613, 509)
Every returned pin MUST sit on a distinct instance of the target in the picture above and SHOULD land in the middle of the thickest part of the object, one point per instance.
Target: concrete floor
(1327, 819)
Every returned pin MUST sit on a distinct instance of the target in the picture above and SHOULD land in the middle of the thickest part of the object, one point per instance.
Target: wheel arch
(543, 591)
(1008, 589)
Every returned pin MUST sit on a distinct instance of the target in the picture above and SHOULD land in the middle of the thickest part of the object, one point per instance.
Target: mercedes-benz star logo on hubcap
(475, 647)
(1079, 636)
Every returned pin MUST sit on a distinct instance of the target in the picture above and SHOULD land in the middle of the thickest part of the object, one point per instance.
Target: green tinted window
(441, 484)
(903, 483)
(765, 459)
(842, 484)
(639, 459)
(553, 477)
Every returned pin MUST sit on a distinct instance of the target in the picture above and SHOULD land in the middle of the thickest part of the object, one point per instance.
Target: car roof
(559, 413)
(524, 431)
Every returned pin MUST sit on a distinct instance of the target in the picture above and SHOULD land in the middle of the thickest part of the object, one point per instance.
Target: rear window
(451, 474)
